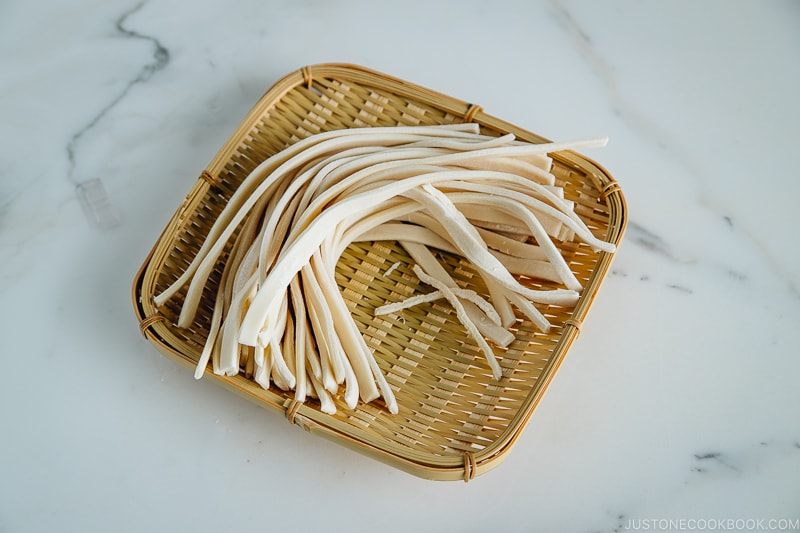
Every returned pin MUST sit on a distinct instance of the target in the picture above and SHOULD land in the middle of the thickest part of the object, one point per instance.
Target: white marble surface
(679, 401)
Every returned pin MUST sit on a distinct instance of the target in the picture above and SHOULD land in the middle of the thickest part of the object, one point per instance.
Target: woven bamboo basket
(455, 421)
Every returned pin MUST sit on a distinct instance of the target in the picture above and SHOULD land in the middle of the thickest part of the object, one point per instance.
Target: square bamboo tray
(456, 421)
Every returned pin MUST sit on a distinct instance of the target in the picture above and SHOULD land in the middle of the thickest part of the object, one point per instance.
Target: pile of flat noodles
(278, 309)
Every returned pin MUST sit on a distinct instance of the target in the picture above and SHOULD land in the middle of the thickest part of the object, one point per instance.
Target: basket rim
(440, 467)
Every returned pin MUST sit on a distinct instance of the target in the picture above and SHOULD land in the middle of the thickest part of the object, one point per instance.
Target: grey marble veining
(159, 61)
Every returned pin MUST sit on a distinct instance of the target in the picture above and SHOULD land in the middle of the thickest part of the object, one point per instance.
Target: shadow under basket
(455, 421)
